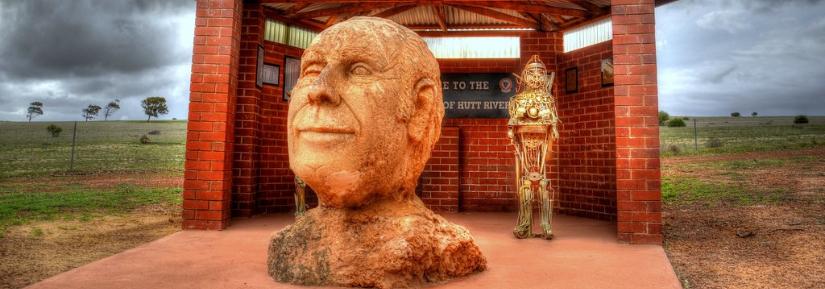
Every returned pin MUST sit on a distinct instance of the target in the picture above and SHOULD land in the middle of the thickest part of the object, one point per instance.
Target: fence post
(695, 137)
(74, 138)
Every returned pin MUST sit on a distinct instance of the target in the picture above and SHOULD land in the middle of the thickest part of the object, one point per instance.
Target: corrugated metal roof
(424, 16)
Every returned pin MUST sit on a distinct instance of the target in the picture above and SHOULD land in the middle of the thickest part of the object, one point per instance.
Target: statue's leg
(546, 208)
(300, 202)
(525, 213)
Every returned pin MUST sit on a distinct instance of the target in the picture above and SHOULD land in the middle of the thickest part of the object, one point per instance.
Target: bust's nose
(323, 91)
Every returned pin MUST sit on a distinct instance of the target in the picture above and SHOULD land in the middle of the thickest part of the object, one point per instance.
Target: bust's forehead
(357, 39)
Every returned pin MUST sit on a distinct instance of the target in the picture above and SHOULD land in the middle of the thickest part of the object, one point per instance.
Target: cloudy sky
(69, 54)
(715, 56)
(720, 56)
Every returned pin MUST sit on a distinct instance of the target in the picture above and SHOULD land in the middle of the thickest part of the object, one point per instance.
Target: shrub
(674, 149)
(714, 142)
(800, 119)
(145, 139)
(754, 114)
(663, 117)
(54, 130)
(686, 118)
(735, 114)
(154, 132)
(676, 122)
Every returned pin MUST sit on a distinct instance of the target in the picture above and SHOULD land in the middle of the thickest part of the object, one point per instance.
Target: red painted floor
(584, 254)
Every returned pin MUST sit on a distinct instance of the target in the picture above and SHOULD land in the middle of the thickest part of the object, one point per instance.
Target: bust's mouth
(325, 134)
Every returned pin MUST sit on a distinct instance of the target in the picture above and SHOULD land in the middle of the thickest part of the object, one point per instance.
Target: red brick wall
(438, 184)
(638, 185)
(587, 168)
(247, 115)
(486, 159)
(209, 139)
(276, 181)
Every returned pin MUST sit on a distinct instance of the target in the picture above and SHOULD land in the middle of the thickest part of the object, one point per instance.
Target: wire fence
(53, 148)
(741, 134)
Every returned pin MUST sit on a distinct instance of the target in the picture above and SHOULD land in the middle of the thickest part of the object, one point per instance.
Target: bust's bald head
(366, 112)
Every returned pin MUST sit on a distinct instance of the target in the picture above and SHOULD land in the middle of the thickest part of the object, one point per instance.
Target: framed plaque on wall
(259, 79)
(571, 80)
(292, 70)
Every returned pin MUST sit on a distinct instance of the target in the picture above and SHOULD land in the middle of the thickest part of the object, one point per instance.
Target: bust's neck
(386, 207)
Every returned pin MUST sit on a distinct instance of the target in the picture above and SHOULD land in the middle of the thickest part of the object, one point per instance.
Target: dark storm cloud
(716, 57)
(69, 54)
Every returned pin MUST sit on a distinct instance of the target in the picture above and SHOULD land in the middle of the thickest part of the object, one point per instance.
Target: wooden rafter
(524, 7)
(498, 15)
(439, 13)
(395, 10)
(545, 20)
(344, 9)
(331, 20)
(464, 26)
(544, 23)
(593, 8)
(296, 8)
(306, 23)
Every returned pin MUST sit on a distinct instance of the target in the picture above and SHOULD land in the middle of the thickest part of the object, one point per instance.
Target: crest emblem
(506, 85)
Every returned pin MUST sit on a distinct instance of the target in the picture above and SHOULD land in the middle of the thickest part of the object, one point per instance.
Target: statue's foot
(548, 233)
(522, 233)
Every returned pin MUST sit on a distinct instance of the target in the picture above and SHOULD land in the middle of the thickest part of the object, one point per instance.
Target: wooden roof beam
(499, 15)
(394, 10)
(439, 13)
(544, 23)
(345, 9)
(296, 8)
(589, 6)
(523, 7)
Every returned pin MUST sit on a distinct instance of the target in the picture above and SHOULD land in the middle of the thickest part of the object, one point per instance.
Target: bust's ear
(424, 92)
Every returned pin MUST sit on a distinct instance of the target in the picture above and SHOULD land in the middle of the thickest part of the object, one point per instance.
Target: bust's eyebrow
(311, 57)
(368, 55)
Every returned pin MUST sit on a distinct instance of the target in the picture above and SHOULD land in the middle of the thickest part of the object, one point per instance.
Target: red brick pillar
(247, 114)
(638, 184)
(208, 175)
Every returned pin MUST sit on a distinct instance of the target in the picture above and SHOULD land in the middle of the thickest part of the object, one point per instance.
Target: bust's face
(345, 138)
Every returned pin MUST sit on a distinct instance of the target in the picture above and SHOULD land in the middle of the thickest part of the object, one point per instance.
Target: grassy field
(750, 212)
(120, 194)
(28, 150)
(741, 134)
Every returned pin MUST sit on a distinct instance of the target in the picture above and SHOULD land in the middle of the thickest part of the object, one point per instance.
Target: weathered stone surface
(384, 246)
(363, 119)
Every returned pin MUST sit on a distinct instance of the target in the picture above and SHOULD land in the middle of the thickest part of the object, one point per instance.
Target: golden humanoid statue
(300, 197)
(532, 130)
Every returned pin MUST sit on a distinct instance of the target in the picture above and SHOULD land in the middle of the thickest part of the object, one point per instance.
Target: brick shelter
(605, 164)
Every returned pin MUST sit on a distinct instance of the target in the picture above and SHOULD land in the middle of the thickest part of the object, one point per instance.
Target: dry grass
(787, 245)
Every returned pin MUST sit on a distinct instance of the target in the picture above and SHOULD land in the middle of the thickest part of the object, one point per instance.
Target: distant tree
(111, 108)
(663, 117)
(754, 114)
(800, 119)
(676, 122)
(35, 109)
(735, 114)
(90, 112)
(54, 130)
(154, 106)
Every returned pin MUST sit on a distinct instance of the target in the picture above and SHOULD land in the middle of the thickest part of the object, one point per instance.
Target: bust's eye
(359, 69)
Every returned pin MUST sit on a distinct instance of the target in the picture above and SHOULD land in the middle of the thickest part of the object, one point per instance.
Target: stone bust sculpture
(363, 118)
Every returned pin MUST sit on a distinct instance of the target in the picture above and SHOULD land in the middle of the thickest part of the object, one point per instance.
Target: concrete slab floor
(584, 254)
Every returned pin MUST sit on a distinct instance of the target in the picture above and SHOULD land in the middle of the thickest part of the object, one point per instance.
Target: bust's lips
(325, 134)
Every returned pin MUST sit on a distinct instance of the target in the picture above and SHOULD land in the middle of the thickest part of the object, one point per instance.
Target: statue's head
(365, 113)
(534, 74)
